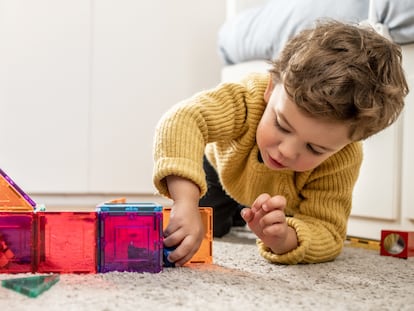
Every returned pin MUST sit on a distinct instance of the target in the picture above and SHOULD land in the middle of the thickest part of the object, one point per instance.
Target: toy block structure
(65, 242)
(16, 242)
(130, 237)
(117, 236)
(397, 243)
(205, 252)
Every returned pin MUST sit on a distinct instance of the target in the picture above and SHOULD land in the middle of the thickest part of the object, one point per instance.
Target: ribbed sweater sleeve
(210, 116)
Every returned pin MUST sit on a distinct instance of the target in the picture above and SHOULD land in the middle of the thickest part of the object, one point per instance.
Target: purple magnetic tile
(16, 234)
(130, 241)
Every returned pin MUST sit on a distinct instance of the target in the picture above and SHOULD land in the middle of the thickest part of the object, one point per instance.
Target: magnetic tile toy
(16, 242)
(205, 252)
(130, 237)
(31, 286)
(66, 242)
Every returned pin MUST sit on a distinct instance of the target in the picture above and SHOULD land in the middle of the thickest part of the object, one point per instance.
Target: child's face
(288, 139)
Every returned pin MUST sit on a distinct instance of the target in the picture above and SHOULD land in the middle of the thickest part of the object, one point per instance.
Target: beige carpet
(239, 279)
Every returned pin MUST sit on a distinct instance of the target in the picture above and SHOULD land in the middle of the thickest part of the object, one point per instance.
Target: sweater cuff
(296, 255)
(181, 167)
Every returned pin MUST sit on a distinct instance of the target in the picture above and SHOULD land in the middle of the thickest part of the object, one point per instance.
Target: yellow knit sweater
(222, 124)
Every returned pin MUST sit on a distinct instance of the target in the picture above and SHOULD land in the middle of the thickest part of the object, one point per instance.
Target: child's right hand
(185, 228)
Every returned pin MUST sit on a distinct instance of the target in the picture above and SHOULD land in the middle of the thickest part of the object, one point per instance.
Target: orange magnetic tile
(205, 252)
(12, 197)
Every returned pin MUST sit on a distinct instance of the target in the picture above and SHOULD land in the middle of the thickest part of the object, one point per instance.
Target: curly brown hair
(346, 73)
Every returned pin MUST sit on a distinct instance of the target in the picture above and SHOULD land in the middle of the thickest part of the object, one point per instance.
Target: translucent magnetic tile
(12, 196)
(130, 241)
(16, 246)
(67, 242)
(31, 286)
(205, 252)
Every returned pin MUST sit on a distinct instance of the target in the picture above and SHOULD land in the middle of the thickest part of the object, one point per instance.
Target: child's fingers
(273, 203)
(173, 239)
(260, 200)
(274, 217)
(172, 234)
(247, 214)
(183, 250)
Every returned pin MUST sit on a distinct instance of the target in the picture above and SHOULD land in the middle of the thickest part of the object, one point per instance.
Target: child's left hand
(266, 218)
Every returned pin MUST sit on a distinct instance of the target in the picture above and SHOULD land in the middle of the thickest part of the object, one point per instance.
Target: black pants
(226, 211)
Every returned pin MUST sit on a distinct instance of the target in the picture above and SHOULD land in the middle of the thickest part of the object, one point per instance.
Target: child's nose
(289, 149)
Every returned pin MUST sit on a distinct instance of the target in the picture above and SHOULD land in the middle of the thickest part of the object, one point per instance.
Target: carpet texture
(239, 279)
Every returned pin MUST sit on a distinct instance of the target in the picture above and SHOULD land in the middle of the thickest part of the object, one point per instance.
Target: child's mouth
(276, 164)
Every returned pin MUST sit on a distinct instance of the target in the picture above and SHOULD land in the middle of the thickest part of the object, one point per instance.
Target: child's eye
(311, 149)
(282, 129)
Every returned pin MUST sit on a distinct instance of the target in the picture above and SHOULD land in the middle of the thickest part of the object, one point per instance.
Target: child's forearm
(183, 190)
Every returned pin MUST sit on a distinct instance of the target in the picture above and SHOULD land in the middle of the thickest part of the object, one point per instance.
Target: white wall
(83, 83)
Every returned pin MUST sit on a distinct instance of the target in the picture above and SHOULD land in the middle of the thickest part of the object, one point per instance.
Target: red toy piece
(397, 243)
(66, 242)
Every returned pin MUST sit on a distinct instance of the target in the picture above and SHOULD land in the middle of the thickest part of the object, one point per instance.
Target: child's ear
(269, 90)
